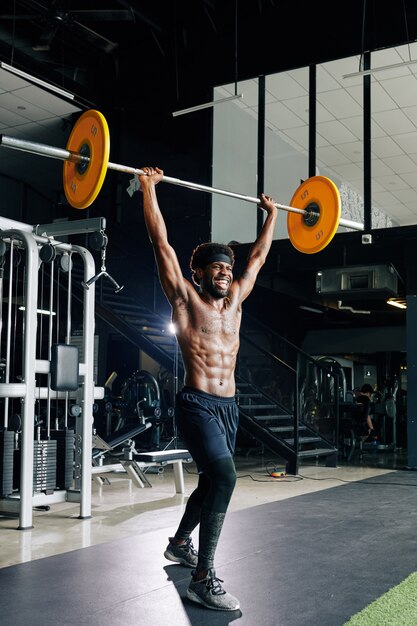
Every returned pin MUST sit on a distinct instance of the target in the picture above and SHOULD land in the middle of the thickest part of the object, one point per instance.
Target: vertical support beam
(87, 399)
(28, 408)
(411, 351)
(261, 148)
(9, 330)
(29, 355)
(367, 173)
(178, 477)
(312, 102)
(411, 346)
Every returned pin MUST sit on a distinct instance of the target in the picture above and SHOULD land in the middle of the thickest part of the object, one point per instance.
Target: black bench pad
(163, 456)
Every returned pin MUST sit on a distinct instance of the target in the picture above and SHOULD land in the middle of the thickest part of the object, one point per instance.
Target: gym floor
(128, 519)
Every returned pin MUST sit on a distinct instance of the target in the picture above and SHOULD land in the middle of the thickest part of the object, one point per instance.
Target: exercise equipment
(49, 462)
(142, 395)
(83, 180)
(135, 463)
(98, 242)
(314, 211)
(320, 199)
(6, 462)
(124, 436)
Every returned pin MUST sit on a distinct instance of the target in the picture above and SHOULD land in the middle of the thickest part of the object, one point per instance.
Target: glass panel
(235, 153)
(339, 136)
(339, 141)
(286, 137)
(394, 137)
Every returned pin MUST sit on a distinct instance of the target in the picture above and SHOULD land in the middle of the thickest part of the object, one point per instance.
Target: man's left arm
(259, 250)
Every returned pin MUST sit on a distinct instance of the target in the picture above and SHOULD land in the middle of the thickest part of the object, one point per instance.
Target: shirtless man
(207, 322)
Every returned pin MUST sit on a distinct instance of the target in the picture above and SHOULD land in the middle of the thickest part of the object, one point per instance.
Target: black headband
(217, 256)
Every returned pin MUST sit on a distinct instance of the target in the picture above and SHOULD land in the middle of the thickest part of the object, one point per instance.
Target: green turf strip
(397, 607)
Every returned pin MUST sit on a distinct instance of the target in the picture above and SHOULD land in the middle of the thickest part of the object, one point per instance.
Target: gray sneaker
(184, 554)
(211, 594)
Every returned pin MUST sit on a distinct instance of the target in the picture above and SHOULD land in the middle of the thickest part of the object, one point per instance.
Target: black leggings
(213, 492)
(207, 506)
(215, 485)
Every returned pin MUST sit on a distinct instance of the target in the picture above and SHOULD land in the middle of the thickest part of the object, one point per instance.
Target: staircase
(147, 330)
(271, 404)
(276, 381)
(276, 427)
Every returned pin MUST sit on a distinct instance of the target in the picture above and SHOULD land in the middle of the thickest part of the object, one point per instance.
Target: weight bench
(136, 463)
(166, 457)
(124, 435)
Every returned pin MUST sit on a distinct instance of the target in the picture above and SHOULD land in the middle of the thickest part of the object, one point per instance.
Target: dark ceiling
(149, 59)
(137, 54)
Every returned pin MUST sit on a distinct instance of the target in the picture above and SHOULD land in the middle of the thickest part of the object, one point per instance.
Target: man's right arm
(170, 274)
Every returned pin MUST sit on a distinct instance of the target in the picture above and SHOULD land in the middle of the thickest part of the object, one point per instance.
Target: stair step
(249, 395)
(157, 336)
(144, 321)
(283, 416)
(303, 440)
(257, 406)
(285, 429)
(317, 452)
(118, 301)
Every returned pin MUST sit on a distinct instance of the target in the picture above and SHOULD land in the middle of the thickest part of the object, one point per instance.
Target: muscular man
(207, 322)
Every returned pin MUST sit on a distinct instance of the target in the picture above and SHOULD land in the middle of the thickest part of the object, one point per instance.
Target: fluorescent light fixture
(373, 70)
(199, 107)
(342, 307)
(40, 311)
(311, 309)
(400, 304)
(37, 81)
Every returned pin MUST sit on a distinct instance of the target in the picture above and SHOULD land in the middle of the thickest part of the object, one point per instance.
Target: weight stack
(44, 466)
(6, 462)
(65, 441)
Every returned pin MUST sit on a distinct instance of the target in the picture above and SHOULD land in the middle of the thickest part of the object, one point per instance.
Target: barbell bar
(313, 213)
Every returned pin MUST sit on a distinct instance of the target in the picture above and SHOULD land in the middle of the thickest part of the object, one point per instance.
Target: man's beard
(216, 292)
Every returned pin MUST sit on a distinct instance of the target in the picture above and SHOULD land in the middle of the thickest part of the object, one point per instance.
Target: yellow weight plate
(317, 194)
(90, 136)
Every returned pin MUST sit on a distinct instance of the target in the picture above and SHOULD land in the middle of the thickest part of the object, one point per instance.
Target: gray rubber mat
(314, 559)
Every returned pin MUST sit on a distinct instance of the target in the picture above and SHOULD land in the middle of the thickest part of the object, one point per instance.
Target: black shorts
(208, 425)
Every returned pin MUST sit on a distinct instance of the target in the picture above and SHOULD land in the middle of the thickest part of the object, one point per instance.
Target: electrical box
(372, 281)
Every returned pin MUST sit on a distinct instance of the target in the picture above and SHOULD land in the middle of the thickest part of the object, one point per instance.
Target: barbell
(313, 213)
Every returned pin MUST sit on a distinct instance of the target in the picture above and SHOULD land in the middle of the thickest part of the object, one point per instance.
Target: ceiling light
(399, 303)
(199, 107)
(343, 307)
(37, 81)
(380, 69)
(40, 311)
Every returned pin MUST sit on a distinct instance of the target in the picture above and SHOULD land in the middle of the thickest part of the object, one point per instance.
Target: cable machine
(44, 378)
